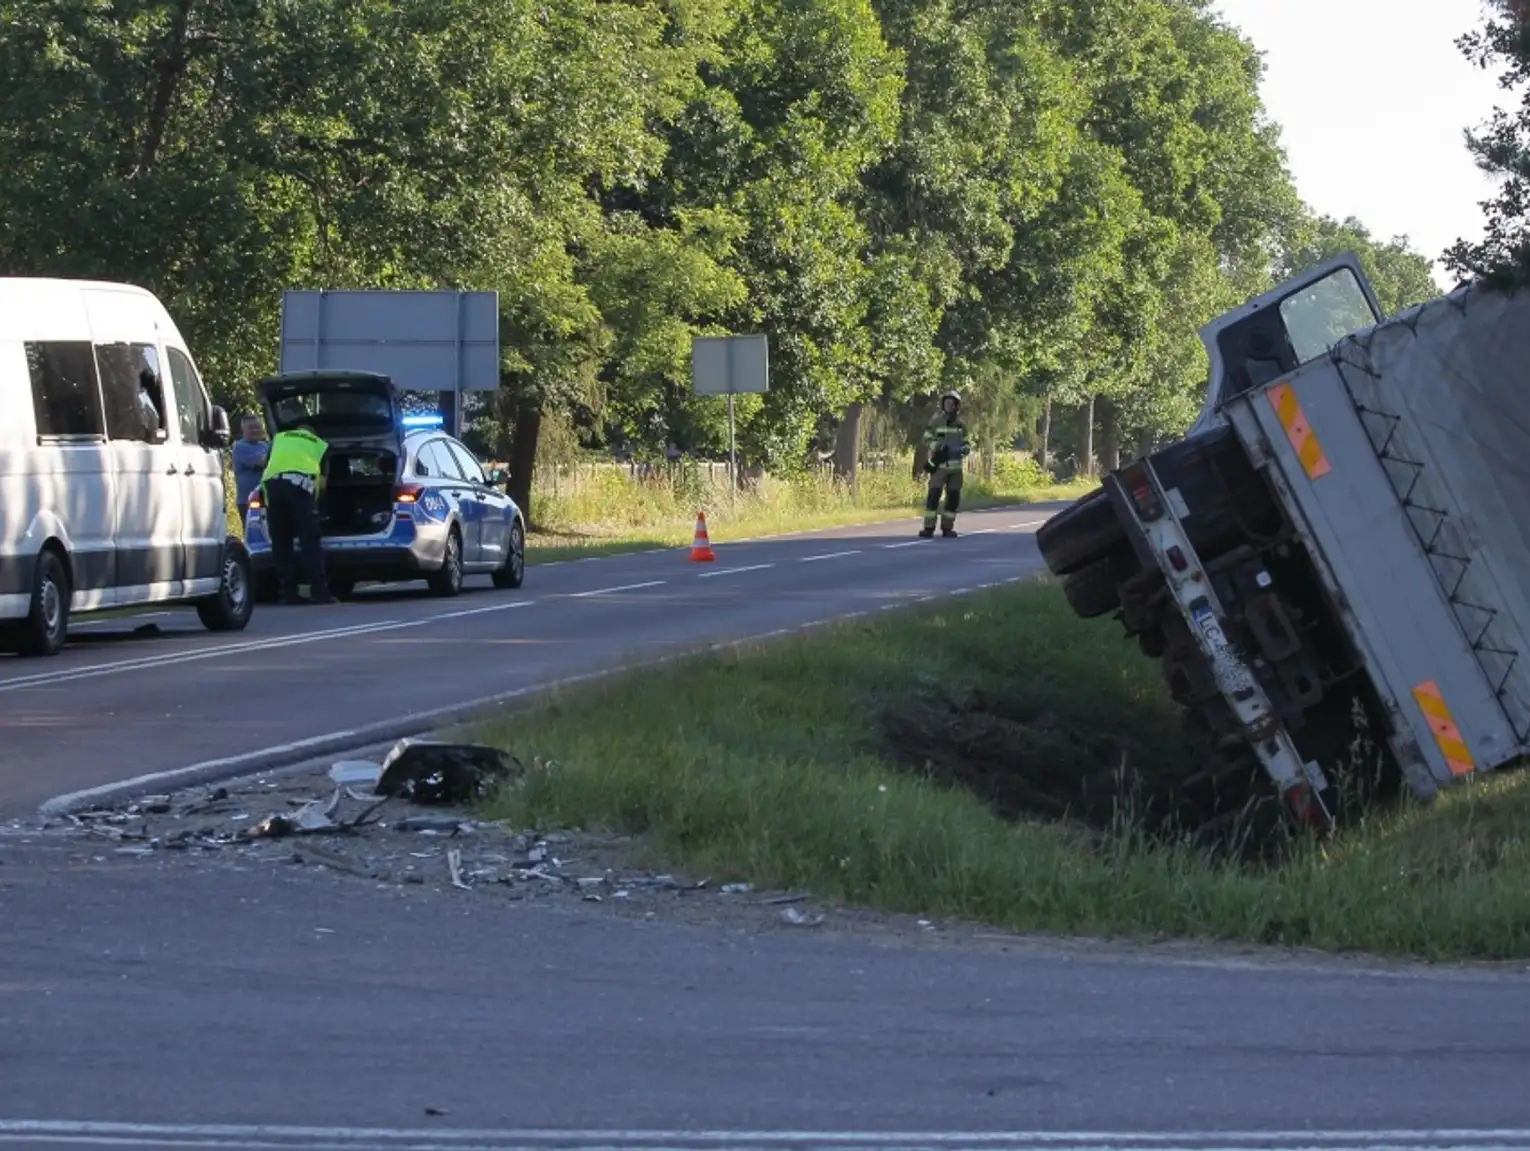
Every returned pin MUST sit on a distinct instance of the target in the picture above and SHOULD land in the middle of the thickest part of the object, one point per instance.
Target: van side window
(190, 399)
(65, 394)
(132, 388)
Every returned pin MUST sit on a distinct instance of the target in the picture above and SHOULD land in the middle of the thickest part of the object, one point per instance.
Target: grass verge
(796, 765)
(607, 512)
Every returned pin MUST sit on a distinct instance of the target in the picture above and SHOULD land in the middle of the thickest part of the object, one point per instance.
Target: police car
(402, 499)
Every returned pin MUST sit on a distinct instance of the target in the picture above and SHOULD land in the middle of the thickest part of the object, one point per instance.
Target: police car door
(458, 492)
(487, 507)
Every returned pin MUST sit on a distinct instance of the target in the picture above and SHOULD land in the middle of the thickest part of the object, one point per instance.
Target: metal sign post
(730, 366)
(445, 342)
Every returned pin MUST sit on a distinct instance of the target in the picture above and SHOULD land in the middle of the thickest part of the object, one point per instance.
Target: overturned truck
(1339, 545)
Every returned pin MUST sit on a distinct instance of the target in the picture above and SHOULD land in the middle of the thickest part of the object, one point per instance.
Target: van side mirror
(220, 434)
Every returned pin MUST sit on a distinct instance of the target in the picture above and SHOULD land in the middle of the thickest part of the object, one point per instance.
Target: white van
(111, 478)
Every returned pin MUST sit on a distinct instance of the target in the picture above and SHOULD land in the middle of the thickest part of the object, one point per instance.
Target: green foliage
(1018, 198)
(1502, 149)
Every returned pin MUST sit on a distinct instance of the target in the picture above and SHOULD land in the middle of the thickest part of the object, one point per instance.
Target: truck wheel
(1080, 534)
(47, 623)
(230, 607)
(1092, 591)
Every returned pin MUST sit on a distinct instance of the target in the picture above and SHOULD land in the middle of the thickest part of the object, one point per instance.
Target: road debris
(454, 865)
(356, 773)
(444, 773)
(330, 819)
(799, 918)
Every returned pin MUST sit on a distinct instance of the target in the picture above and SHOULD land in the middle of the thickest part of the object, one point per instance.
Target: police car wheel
(448, 581)
(513, 573)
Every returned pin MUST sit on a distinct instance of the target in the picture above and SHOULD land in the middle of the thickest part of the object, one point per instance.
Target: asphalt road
(118, 704)
(137, 992)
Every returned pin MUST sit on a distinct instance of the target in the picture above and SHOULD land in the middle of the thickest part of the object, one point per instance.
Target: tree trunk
(1144, 445)
(847, 445)
(1084, 453)
(1110, 434)
(523, 455)
(169, 67)
(1044, 438)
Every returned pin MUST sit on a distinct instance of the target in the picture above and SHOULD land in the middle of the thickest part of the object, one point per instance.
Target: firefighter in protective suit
(946, 439)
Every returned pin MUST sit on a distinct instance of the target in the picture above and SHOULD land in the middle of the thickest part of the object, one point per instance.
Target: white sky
(1372, 97)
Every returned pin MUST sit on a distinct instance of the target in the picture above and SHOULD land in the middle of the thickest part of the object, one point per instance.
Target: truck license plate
(1231, 676)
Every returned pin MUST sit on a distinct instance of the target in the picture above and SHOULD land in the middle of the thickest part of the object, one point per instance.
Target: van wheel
(47, 623)
(230, 607)
(513, 573)
(448, 581)
(342, 587)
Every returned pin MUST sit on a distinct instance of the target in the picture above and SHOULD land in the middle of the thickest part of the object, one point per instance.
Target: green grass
(604, 511)
(826, 763)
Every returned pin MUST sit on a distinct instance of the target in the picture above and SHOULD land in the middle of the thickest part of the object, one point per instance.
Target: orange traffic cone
(701, 547)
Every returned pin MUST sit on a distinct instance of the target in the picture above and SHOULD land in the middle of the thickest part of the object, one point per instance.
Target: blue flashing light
(431, 421)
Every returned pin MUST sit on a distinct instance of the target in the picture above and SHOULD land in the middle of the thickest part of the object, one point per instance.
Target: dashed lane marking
(174, 658)
(609, 590)
(735, 571)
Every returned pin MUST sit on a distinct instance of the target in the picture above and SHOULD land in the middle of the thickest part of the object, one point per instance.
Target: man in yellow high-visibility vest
(291, 484)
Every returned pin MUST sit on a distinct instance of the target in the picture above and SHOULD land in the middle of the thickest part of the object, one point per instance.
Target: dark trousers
(292, 516)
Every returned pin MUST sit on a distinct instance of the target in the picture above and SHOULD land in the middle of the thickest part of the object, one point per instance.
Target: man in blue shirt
(250, 454)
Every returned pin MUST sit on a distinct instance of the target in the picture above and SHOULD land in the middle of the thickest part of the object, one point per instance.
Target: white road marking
(296, 1138)
(981, 532)
(1026, 524)
(608, 590)
(829, 556)
(169, 659)
(908, 544)
(736, 571)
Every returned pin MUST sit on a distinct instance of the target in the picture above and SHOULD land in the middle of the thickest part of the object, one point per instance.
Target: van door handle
(171, 470)
(190, 471)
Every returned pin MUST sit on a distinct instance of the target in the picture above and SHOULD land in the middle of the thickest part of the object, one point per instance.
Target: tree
(1502, 149)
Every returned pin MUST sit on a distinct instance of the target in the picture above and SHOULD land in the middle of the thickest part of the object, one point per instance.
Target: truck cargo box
(1402, 459)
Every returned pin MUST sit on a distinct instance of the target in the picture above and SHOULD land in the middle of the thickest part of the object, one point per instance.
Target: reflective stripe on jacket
(950, 432)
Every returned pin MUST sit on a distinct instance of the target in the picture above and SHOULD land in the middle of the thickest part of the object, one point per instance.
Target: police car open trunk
(358, 414)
